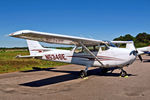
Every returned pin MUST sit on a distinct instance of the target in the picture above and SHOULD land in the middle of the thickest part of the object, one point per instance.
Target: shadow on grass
(72, 75)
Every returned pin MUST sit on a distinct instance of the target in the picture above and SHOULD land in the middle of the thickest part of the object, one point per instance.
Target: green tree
(142, 39)
(127, 37)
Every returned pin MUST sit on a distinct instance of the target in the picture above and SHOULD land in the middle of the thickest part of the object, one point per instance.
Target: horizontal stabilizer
(27, 56)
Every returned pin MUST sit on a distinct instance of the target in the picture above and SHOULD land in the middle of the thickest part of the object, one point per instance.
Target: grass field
(8, 62)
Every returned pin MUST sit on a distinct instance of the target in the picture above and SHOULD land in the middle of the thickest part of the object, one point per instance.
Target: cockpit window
(94, 48)
(104, 47)
(91, 48)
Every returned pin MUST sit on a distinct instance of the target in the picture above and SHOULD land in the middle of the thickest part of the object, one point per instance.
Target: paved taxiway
(62, 83)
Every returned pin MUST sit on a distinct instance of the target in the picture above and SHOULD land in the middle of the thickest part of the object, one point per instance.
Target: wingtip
(19, 32)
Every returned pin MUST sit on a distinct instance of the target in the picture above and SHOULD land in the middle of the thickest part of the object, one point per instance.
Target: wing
(54, 38)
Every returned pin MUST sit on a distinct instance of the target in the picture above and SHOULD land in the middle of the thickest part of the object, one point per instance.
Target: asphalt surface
(63, 83)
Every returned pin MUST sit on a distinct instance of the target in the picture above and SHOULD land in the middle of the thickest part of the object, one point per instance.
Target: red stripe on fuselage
(102, 58)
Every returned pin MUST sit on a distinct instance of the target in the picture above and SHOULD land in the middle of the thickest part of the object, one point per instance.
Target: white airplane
(140, 51)
(146, 50)
(87, 52)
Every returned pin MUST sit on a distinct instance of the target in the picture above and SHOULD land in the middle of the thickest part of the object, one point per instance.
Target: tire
(123, 73)
(83, 74)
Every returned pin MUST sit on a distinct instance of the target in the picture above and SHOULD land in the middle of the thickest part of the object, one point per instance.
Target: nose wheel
(123, 73)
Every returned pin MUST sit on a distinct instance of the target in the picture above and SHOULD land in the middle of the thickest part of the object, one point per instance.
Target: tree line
(140, 40)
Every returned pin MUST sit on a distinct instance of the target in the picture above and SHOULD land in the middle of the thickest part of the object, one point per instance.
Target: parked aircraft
(129, 44)
(146, 50)
(87, 52)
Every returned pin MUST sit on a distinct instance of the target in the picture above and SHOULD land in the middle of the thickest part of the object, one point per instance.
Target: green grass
(8, 62)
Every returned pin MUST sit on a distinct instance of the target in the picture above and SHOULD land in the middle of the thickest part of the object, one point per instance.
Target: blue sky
(98, 19)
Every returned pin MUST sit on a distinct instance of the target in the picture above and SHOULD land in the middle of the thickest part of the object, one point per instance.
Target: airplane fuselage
(113, 57)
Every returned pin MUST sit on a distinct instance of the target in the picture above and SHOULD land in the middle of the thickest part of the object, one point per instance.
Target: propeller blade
(140, 57)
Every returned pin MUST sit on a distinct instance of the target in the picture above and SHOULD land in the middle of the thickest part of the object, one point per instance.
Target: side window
(94, 48)
(91, 48)
(79, 50)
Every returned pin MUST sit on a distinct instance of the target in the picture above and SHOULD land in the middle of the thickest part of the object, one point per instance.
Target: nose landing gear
(123, 73)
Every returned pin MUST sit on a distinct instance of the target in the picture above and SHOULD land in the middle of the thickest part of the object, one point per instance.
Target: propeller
(140, 57)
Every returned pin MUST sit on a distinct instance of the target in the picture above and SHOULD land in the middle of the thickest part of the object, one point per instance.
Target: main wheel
(123, 73)
(83, 73)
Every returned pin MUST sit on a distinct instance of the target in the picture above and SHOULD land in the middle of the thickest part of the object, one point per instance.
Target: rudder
(34, 47)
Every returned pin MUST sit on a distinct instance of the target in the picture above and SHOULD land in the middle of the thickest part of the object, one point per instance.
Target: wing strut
(91, 53)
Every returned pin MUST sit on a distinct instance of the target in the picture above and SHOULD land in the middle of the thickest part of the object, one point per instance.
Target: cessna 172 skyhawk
(87, 52)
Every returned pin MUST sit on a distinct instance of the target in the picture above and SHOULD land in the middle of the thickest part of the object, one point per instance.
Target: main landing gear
(123, 73)
(83, 73)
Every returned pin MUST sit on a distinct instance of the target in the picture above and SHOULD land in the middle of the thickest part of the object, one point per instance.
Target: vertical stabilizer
(34, 47)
